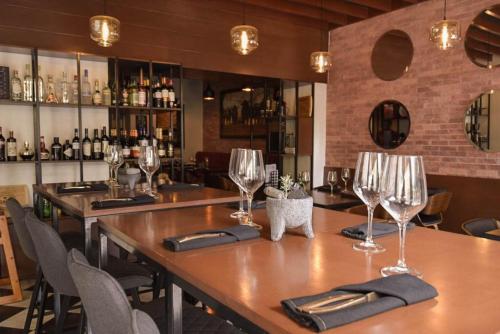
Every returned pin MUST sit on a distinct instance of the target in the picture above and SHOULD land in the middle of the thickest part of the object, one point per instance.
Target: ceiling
(482, 40)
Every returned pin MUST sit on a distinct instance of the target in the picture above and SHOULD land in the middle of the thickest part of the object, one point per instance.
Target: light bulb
(444, 37)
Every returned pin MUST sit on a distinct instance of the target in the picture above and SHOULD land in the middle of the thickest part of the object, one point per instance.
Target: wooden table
(494, 232)
(245, 282)
(336, 202)
(79, 206)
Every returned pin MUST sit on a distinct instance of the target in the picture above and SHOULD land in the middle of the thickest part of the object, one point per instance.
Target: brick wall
(437, 90)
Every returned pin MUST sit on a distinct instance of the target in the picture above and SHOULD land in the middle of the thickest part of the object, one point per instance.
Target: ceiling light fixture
(244, 38)
(321, 61)
(445, 33)
(104, 29)
(208, 93)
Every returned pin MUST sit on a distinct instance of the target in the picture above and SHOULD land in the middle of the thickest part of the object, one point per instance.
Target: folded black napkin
(82, 188)
(255, 205)
(122, 202)
(180, 186)
(326, 188)
(394, 291)
(232, 234)
(379, 230)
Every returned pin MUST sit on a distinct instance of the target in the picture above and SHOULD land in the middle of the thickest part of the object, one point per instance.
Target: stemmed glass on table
(305, 177)
(113, 156)
(149, 162)
(233, 167)
(403, 193)
(366, 185)
(346, 175)
(332, 180)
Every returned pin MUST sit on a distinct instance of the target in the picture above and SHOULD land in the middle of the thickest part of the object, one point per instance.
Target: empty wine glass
(346, 175)
(305, 177)
(251, 175)
(366, 185)
(403, 193)
(233, 166)
(149, 162)
(113, 155)
(332, 180)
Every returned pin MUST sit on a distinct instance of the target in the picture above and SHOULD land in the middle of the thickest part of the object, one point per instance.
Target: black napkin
(255, 205)
(234, 234)
(117, 203)
(180, 186)
(379, 230)
(395, 291)
(326, 188)
(89, 187)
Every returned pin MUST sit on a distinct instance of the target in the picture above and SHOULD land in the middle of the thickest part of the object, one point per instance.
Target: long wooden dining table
(244, 282)
(79, 205)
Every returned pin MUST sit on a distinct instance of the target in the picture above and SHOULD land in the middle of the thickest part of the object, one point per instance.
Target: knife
(126, 199)
(201, 236)
(328, 300)
(369, 297)
(76, 187)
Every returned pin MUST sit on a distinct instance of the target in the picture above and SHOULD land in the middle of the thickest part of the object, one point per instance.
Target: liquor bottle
(44, 153)
(113, 140)
(74, 90)
(125, 144)
(75, 146)
(106, 95)
(161, 146)
(104, 140)
(16, 89)
(146, 87)
(124, 94)
(142, 95)
(164, 92)
(11, 147)
(51, 91)
(134, 145)
(40, 85)
(67, 151)
(170, 150)
(2, 146)
(157, 100)
(56, 149)
(27, 85)
(87, 146)
(64, 88)
(143, 138)
(86, 90)
(96, 146)
(133, 94)
(171, 94)
(113, 93)
(97, 97)
(27, 153)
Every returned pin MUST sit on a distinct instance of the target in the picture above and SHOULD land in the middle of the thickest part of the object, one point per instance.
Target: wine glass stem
(331, 189)
(345, 185)
(110, 174)
(241, 200)
(369, 231)
(150, 180)
(249, 204)
(114, 173)
(402, 241)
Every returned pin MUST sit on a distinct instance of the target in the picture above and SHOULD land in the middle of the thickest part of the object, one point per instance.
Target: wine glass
(305, 177)
(403, 193)
(346, 175)
(332, 180)
(251, 175)
(366, 185)
(232, 175)
(113, 156)
(149, 162)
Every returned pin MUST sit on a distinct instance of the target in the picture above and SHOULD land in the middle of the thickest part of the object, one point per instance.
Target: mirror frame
(370, 118)
(407, 66)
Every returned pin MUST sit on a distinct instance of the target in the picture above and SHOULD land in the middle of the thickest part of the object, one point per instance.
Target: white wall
(319, 133)
(193, 117)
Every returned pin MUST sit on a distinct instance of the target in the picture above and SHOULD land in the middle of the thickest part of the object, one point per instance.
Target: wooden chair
(13, 278)
(477, 227)
(379, 213)
(432, 214)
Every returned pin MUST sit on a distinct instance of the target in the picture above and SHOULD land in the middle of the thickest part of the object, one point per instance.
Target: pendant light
(321, 61)
(445, 33)
(104, 29)
(208, 93)
(244, 38)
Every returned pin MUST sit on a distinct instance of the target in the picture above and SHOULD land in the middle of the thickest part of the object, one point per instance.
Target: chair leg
(136, 301)
(158, 284)
(436, 227)
(33, 300)
(41, 308)
(64, 308)
(81, 326)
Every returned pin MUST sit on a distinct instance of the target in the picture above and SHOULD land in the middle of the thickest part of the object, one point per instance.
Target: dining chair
(109, 311)
(432, 213)
(478, 227)
(379, 212)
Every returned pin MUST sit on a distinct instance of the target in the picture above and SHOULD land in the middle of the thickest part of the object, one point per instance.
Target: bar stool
(432, 214)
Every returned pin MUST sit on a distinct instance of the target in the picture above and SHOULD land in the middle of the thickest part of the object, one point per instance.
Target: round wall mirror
(392, 55)
(482, 122)
(389, 124)
(482, 39)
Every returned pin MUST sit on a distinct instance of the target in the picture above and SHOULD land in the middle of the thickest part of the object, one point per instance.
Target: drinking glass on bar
(346, 175)
(113, 156)
(403, 193)
(332, 180)
(305, 177)
(233, 167)
(149, 162)
(366, 185)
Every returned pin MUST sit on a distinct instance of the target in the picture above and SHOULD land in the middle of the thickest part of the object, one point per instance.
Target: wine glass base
(153, 194)
(251, 224)
(238, 214)
(368, 247)
(398, 270)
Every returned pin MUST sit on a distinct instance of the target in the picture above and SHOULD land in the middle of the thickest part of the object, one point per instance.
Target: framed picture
(242, 113)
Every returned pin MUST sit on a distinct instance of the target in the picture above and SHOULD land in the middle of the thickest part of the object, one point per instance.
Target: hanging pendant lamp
(445, 33)
(104, 29)
(208, 93)
(321, 61)
(244, 37)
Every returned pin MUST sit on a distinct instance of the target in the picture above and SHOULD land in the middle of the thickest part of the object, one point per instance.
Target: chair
(477, 227)
(432, 214)
(109, 311)
(379, 212)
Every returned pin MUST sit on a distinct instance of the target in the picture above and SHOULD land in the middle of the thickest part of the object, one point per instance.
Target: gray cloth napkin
(379, 230)
(234, 234)
(88, 187)
(395, 291)
(180, 186)
(118, 202)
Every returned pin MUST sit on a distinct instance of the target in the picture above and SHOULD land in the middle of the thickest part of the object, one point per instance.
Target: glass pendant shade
(208, 94)
(244, 39)
(445, 34)
(105, 30)
(321, 61)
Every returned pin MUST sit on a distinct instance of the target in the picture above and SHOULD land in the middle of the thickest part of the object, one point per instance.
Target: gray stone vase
(289, 213)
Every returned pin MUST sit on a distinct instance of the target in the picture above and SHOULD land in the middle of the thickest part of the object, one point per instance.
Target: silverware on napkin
(127, 199)
(351, 299)
(76, 187)
(201, 236)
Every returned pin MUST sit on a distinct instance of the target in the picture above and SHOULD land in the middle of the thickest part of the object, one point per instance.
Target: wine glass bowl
(332, 180)
(149, 162)
(113, 155)
(346, 175)
(305, 177)
(233, 167)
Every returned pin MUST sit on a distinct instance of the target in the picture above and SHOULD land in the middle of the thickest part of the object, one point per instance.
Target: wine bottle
(164, 92)
(74, 91)
(143, 138)
(96, 146)
(142, 95)
(67, 153)
(134, 145)
(27, 85)
(171, 94)
(97, 97)
(125, 96)
(2, 146)
(104, 140)
(133, 94)
(157, 99)
(86, 90)
(125, 144)
(106, 95)
(11, 147)
(87, 146)
(75, 146)
(65, 89)
(161, 146)
(44, 153)
(16, 88)
(56, 149)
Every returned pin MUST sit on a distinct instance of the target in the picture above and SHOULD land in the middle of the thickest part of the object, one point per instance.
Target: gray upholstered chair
(109, 311)
(479, 226)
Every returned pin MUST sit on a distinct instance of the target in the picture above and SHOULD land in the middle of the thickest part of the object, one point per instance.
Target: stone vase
(289, 213)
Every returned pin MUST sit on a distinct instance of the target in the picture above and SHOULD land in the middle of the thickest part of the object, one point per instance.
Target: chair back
(437, 203)
(18, 215)
(105, 302)
(478, 226)
(379, 212)
(51, 254)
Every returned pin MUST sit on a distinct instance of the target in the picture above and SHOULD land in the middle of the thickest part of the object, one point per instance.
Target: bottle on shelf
(75, 146)
(27, 153)
(171, 94)
(161, 145)
(104, 140)
(125, 144)
(44, 153)
(56, 149)
(87, 146)
(86, 90)
(113, 138)
(16, 88)
(142, 92)
(97, 97)
(40, 85)
(11, 147)
(64, 88)
(96, 146)
(51, 91)
(157, 99)
(67, 150)
(27, 84)
(2, 146)
(164, 92)
(133, 95)
(106, 95)
(143, 138)
(74, 90)
(125, 95)
(170, 150)
(113, 93)
(134, 144)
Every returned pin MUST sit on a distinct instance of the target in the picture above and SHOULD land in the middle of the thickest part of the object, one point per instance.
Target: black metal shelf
(17, 162)
(146, 108)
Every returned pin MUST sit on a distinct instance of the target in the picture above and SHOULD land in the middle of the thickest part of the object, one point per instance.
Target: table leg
(55, 218)
(103, 250)
(173, 306)
(87, 234)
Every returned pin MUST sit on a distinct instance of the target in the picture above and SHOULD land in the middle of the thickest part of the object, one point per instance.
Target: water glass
(332, 180)
(233, 167)
(149, 162)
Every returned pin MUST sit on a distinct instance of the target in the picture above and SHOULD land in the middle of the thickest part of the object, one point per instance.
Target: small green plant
(286, 184)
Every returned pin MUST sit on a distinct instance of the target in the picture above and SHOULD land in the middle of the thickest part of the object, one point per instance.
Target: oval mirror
(482, 39)
(389, 124)
(392, 55)
(482, 122)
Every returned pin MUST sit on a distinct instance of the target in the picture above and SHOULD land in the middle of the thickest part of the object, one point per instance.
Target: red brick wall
(437, 90)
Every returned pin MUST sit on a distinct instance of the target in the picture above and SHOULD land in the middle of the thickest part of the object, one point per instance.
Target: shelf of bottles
(477, 122)
(147, 108)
